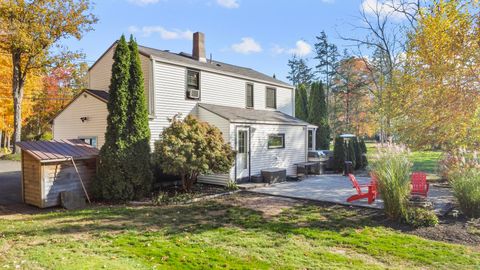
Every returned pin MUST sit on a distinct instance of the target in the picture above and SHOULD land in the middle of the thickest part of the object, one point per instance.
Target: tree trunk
(1, 137)
(18, 81)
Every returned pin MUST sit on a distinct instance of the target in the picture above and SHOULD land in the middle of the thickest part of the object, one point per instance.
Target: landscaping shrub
(358, 154)
(363, 148)
(190, 147)
(466, 189)
(339, 153)
(351, 153)
(421, 217)
(392, 168)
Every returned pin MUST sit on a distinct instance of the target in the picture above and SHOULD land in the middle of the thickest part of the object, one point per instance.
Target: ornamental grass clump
(392, 168)
(466, 189)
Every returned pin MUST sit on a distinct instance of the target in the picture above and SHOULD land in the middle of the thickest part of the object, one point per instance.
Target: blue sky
(260, 34)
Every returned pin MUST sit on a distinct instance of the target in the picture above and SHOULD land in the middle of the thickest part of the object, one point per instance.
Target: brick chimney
(198, 51)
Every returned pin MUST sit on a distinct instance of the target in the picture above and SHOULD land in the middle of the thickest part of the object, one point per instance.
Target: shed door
(243, 151)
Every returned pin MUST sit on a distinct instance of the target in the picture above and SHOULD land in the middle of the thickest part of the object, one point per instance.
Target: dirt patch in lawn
(268, 205)
(452, 231)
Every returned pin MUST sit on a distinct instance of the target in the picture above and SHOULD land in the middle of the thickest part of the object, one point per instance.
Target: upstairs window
(193, 84)
(249, 95)
(271, 98)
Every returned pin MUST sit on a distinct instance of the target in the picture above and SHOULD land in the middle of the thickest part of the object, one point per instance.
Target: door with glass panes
(243, 152)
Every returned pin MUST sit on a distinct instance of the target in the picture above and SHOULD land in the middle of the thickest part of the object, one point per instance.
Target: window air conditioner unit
(194, 93)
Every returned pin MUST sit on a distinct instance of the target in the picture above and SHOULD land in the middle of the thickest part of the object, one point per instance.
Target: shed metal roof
(58, 150)
(241, 115)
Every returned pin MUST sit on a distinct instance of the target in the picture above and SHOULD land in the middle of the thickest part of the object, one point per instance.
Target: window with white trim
(249, 95)
(193, 84)
(276, 141)
(271, 98)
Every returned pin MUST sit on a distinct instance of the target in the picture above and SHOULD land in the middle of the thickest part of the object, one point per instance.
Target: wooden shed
(51, 167)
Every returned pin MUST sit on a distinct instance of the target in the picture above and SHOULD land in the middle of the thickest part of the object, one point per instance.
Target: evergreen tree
(137, 163)
(317, 115)
(351, 153)
(110, 183)
(301, 103)
(327, 56)
(339, 153)
(358, 153)
(299, 72)
(363, 148)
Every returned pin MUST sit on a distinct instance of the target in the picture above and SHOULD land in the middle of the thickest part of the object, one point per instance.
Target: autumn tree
(29, 30)
(190, 147)
(439, 94)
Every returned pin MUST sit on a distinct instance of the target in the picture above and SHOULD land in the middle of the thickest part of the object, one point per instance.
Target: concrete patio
(337, 188)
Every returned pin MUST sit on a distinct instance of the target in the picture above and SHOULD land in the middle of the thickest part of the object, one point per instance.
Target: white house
(254, 111)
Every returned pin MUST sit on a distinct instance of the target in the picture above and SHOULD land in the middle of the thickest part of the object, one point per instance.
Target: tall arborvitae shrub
(358, 154)
(339, 153)
(137, 163)
(363, 147)
(301, 103)
(351, 153)
(110, 182)
(317, 115)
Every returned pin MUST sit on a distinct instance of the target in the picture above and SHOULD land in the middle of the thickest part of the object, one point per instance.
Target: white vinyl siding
(293, 152)
(215, 120)
(169, 88)
(67, 125)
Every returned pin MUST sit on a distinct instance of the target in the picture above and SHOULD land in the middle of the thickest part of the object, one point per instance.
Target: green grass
(213, 235)
(425, 161)
(13, 157)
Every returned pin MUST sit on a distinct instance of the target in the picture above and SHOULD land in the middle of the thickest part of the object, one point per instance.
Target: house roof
(103, 95)
(185, 58)
(58, 150)
(241, 115)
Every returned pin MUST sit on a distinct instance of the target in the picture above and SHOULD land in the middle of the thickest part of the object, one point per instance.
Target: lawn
(426, 161)
(220, 234)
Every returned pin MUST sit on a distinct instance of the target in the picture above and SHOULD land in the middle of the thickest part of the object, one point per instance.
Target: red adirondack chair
(419, 184)
(371, 194)
(374, 181)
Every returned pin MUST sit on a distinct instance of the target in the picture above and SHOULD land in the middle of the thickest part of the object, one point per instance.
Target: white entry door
(243, 151)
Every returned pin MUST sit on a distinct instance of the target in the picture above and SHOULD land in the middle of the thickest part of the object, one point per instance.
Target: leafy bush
(392, 168)
(466, 189)
(190, 147)
(339, 153)
(421, 217)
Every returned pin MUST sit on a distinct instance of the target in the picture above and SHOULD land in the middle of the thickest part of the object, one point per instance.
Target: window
(271, 98)
(89, 140)
(193, 84)
(249, 95)
(276, 141)
(242, 142)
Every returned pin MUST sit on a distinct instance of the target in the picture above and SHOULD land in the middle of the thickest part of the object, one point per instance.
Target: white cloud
(328, 1)
(302, 48)
(228, 3)
(147, 31)
(143, 2)
(247, 46)
(383, 7)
